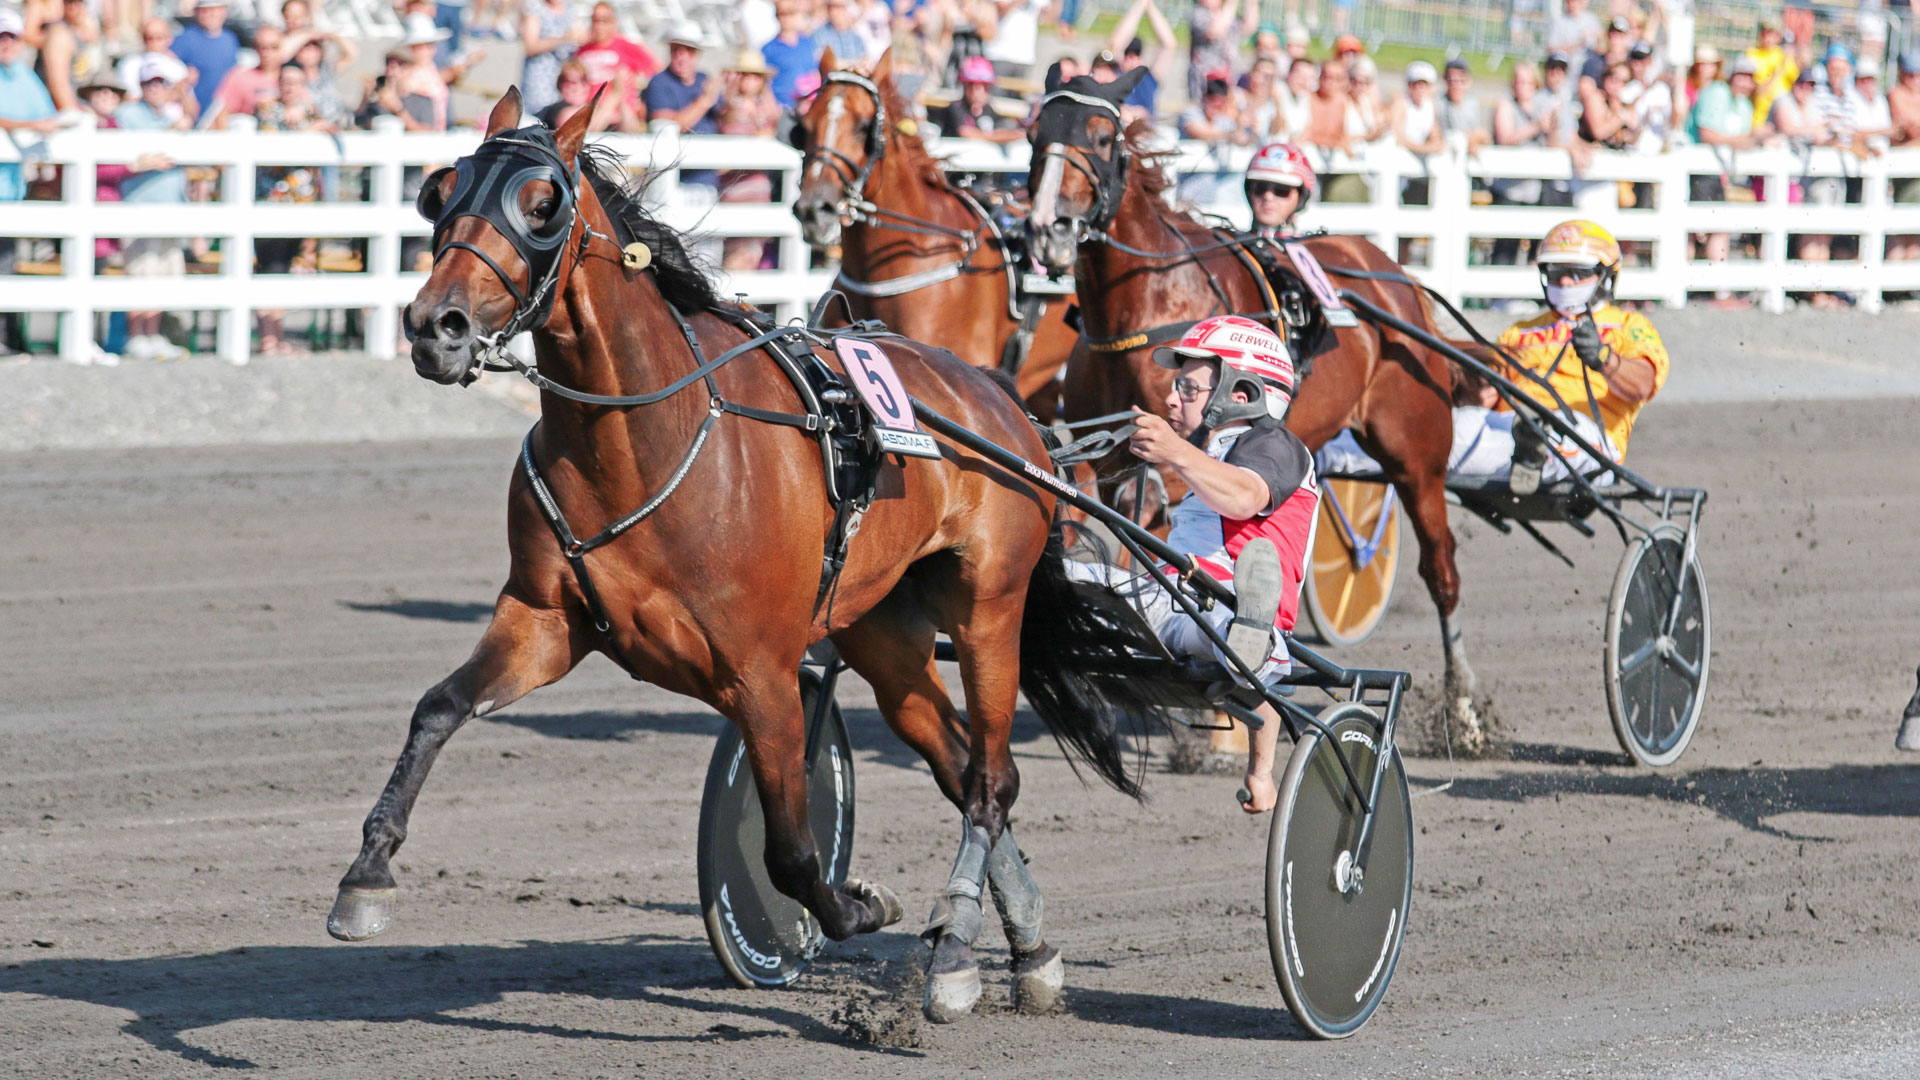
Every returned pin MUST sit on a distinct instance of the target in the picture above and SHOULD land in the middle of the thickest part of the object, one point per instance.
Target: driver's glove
(1586, 342)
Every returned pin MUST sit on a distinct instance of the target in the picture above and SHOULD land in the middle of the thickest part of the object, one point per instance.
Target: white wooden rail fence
(1450, 222)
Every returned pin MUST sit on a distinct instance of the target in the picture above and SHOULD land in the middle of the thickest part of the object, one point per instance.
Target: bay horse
(710, 589)
(1098, 192)
(917, 252)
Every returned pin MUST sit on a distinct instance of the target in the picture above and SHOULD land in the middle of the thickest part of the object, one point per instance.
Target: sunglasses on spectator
(1560, 275)
(1188, 389)
(1258, 188)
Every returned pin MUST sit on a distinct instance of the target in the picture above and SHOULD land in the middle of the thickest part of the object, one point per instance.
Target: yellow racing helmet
(1577, 243)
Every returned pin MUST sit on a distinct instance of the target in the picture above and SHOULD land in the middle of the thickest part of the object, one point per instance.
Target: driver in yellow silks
(1603, 362)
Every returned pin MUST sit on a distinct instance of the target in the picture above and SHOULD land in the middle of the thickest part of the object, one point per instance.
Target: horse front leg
(1909, 736)
(772, 724)
(524, 648)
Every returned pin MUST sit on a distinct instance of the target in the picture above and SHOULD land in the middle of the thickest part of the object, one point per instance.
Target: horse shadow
(172, 996)
(436, 610)
(1183, 1015)
(1747, 797)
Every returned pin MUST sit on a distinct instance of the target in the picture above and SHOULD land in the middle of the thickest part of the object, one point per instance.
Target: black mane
(679, 278)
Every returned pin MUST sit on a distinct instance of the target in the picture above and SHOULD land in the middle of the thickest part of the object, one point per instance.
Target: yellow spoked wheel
(1356, 550)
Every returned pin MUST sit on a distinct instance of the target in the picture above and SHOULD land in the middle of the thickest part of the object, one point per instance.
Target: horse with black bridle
(671, 511)
(917, 252)
(1147, 272)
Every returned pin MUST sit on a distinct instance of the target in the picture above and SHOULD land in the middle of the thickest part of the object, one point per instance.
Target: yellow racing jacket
(1542, 344)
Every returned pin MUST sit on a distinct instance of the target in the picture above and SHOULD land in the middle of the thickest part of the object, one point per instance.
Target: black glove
(1586, 342)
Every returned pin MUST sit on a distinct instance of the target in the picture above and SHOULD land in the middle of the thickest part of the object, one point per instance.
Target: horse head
(842, 137)
(504, 221)
(1079, 166)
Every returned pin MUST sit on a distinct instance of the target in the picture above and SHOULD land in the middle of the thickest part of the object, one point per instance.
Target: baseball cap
(1910, 60)
(150, 72)
(1557, 59)
(1420, 71)
(1706, 54)
(1458, 64)
(1769, 22)
(1744, 65)
(1640, 51)
(1867, 68)
(1619, 25)
(1837, 51)
(10, 22)
(976, 69)
(210, 3)
(1298, 36)
(1347, 43)
(1134, 48)
(687, 32)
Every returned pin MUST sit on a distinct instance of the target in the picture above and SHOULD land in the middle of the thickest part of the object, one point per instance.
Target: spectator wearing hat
(1774, 68)
(747, 107)
(1460, 112)
(160, 183)
(683, 94)
(1903, 105)
(1215, 118)
(1704, 72)
(1619, 42)
(1346, 47)
(1874, 120)
(1651, 100)
(1416, 115)
(156, 42)
(1297, 41)
(606, 55)
(1556, 81)
(1838, 104)
(549, 34)
(792, 52)
(103, 99)
(25, 104)
(1211, 32)
(972, 116)
(1126, 43)
(1267, 43)
(423, 76)
(1794, 117)
(576, 86)
(209, 49)
(1573, 30)
(387, 95)
(1367, 115)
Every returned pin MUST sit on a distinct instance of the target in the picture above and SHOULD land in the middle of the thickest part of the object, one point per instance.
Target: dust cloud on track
(211, 655)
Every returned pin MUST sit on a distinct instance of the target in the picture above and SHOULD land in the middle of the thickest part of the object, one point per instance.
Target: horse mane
(679, 278)
(1150, 172)
(913, 148)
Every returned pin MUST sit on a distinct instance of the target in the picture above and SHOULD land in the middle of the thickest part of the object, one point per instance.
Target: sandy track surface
(211, 655)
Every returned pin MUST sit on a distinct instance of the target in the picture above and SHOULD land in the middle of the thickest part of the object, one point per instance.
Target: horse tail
(1081, 670)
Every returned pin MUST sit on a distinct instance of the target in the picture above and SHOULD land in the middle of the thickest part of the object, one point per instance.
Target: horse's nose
(452, 325)
(443, 341)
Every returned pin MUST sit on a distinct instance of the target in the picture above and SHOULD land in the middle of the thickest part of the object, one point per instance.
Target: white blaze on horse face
(836, 108)
(1046, 196)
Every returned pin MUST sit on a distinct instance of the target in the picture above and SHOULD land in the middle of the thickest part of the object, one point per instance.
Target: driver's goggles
(1561, 275)
(1257, 188)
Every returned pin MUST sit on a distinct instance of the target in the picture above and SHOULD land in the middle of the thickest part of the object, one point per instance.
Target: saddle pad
(879, 386)
(1338, 314)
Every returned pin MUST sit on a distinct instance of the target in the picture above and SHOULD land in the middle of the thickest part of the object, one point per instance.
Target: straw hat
(421, 31)
(749, 62)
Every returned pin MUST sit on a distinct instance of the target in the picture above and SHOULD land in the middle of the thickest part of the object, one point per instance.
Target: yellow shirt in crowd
(1775, 76)
(1541, 344)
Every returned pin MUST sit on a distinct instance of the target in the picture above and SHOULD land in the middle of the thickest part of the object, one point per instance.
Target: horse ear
(828, 64)
(883, 67)
(573, 134)
(1119, 89)
(506, 113)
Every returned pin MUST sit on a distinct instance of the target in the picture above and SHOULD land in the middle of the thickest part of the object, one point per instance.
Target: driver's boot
(1257, 584)
(1529, 459)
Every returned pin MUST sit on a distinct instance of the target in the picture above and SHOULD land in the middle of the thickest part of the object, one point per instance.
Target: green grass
(1391, 58)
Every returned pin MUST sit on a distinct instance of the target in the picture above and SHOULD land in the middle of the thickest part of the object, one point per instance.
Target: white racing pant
(1483, 449)
(1174, 627)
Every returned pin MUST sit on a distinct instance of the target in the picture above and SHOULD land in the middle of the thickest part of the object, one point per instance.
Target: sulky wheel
(1657, 656)
(1335, 932)
(761, 936)
(1356, 549)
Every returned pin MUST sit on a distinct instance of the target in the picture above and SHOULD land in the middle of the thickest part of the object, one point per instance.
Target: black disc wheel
(761, 936)
(1658, 652)
(1335, 920)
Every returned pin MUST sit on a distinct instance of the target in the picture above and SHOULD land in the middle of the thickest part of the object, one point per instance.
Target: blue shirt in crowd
(212, 55)
(789, 62)
(848, 47)
(666, 93)
(159, 185)
(22, 97)
(1144, 93)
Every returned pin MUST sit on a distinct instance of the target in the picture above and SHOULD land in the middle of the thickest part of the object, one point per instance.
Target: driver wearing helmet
(1279, 183)
(1602, 362)
(1249, 512)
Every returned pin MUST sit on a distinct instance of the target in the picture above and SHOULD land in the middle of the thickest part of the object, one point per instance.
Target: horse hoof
(1037, 979)
(1909, 736)
(880, 899)
(951, 995)
(359, 914)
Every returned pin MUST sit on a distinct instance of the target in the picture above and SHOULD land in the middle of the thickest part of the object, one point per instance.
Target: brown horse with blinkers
(1097, 192)
(916, 252)
(714, 587)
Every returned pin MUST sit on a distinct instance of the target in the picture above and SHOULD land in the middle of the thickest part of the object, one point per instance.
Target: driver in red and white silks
(1248, 479)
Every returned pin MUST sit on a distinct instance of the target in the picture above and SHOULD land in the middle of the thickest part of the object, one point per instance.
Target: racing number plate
(879, 386)
(1338, 314)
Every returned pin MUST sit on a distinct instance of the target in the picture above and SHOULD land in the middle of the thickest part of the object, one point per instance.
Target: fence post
(1875, 200)
(384, 248)
(233, 322)
(77, 178)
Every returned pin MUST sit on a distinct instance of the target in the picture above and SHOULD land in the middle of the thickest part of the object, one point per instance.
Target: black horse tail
(1088, 668)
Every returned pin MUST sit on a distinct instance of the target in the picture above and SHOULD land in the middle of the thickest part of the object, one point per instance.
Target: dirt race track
(210, 657)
